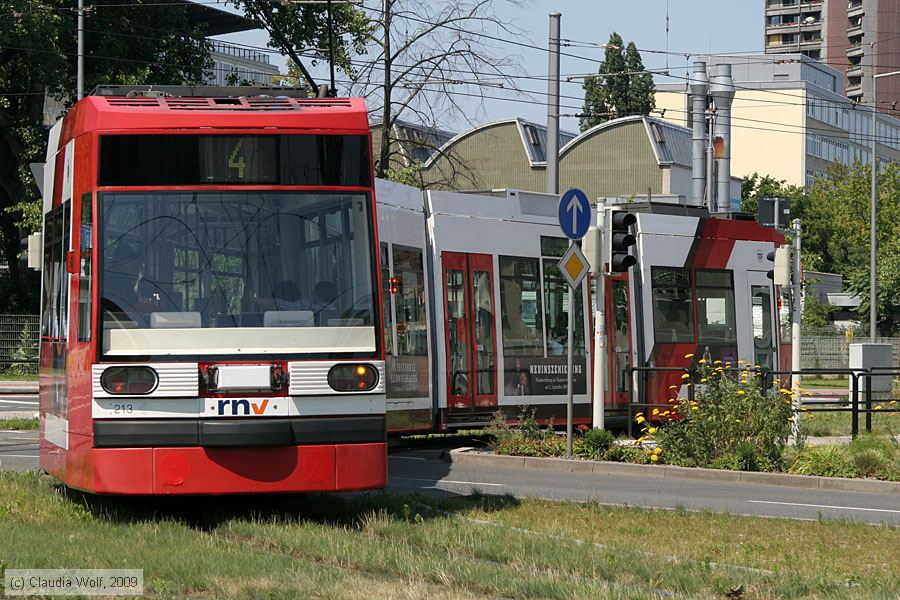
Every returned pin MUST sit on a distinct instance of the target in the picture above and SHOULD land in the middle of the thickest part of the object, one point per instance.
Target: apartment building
(790, 118)
(848, 35)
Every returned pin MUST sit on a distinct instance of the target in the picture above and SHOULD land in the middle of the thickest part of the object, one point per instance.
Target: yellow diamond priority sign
(574, 266)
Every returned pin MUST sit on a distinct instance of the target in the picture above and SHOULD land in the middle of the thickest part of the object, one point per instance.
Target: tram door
(618, 335)
(762, 315)
(471, 369)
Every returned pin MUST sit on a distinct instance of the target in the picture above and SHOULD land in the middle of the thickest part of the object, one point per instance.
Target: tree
(135, 42)
(425, 57)
(622, 87)
(756, 186)
(300, 31)
(835, 215)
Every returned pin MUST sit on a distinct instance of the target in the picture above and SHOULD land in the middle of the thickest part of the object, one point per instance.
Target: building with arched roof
(629, 157)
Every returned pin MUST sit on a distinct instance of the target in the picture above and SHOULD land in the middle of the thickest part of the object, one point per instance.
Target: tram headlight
(353, 377)
(129, 380)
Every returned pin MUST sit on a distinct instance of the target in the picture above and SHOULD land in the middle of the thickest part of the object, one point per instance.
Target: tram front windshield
(236, 273)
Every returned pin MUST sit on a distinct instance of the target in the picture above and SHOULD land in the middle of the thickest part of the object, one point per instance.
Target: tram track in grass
(390, 545)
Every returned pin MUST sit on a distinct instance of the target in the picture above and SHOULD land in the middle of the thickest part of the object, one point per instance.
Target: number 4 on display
(236, 160)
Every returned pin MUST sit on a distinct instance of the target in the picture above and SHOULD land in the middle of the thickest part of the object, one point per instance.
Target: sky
(697, 27)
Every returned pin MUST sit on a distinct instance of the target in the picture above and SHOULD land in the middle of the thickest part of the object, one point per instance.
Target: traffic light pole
(598, 413)
(795, 327)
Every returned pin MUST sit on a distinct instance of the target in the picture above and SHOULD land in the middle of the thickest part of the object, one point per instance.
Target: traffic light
(780, 273)
(619, 239)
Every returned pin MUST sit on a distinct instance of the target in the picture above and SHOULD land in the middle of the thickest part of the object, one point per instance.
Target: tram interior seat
(288, 318)
(175, 320)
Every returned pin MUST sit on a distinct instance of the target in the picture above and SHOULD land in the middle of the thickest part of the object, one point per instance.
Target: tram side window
(556, 294)
(673, 310)
(386, 301)
(85, 276)
(520, 307)
(409, 300)
(715, 307)
(56, 294)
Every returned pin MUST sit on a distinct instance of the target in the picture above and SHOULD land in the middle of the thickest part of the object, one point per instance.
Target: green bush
(594, 444)
(825, 461)
(527, 438)
(627, 454)
(731, 424)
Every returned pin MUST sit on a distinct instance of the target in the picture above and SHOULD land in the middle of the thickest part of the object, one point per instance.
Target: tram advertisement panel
(407, 376)
(542, 377)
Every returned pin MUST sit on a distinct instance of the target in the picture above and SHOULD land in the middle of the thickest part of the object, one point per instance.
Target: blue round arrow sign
(574, 214)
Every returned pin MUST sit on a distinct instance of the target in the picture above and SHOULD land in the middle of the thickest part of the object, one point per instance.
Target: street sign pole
(570, 388)
(574, 219)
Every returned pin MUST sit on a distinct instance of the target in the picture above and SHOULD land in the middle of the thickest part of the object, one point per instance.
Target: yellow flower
(695, 408)
(666, 413)
(685, 376)
(652, 430)
(648, 451)
(740, 362)
(741, 392)
(744, 381)
(657, 450)
(892, 402)
(673, 387)
(654, 457)
(737, 420)
(701, 361)
(655, 411)
(717, 362)
(703, 380)
(785, 391)
(689, 356)
(641, 419)
(878, 407)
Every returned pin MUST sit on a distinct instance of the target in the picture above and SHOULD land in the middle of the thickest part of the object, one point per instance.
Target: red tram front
(211, 310)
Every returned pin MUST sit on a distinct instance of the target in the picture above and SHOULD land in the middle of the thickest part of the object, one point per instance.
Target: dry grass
(369, 547)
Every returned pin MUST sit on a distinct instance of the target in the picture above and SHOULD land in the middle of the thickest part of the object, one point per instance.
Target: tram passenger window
(715, 307)
(386, 302)
(520, 307)
(85, 276)
(673, 311)
(556, 294)
(409, 300)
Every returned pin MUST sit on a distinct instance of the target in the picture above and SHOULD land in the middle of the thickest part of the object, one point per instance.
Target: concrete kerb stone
(470, 456)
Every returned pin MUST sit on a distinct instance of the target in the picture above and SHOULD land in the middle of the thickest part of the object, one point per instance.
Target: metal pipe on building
(721, 89)
(698, 87)
(553, 108)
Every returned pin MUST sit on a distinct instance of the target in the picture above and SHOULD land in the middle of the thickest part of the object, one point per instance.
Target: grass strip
(18, 424)
(370, 546)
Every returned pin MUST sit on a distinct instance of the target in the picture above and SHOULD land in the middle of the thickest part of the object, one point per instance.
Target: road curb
(19, 389)
(473, 457)
(18, 414)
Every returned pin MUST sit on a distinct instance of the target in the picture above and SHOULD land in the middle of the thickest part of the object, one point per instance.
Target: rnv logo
(241, 407)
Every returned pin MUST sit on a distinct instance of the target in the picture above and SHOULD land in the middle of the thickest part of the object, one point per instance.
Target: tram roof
(188, 112)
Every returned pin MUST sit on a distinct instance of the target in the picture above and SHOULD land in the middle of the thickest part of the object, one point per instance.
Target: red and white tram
(476, 307)
(211, 306)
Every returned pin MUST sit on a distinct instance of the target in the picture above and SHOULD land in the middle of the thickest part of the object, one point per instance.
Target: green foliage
(867, 456)
(756, 187)
(594, 444)
(408, 175)
(527, 438)
(295, 26)
(732, 423)
(835, 213)
(815, 314)
(826, 461)
(613, 93)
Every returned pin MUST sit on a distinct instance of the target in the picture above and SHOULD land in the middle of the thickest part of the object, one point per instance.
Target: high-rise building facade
(848, 35)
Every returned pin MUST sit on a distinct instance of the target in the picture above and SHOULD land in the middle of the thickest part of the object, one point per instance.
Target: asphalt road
(17, 403)
(427, 471)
